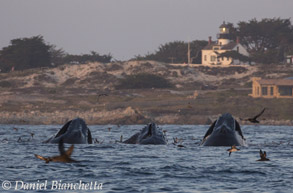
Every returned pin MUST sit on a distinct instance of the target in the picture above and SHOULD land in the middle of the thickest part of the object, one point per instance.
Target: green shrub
(143, 81)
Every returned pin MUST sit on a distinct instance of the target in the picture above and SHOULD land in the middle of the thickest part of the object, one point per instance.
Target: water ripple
(140, 168)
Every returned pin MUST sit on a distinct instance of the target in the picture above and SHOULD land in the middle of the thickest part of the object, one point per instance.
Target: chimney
(237, 39)
(210, 40)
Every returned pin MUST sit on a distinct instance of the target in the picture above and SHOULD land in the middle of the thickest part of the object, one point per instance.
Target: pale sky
(126, 28)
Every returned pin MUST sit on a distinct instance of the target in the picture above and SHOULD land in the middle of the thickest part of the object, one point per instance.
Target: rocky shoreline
(121, 116)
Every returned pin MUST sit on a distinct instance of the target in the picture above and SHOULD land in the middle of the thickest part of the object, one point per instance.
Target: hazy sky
(126, 28)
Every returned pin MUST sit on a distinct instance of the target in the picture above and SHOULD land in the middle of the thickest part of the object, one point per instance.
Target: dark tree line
(26, 53)
(267, 40)
(85, 58)
(176, 52)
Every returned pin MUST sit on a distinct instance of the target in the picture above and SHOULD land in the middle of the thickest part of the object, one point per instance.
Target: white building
(224, 43)
(289, 59)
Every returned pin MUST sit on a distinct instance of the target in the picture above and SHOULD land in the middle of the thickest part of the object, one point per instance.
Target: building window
(264, 90)
(272, 91)
(205, 57)
(213, 58)
(285, 90)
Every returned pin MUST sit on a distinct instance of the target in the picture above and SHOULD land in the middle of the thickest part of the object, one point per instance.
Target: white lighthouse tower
(224, 36)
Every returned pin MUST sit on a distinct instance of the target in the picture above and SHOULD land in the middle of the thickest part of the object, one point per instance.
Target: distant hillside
(105, 76)
(198, 94)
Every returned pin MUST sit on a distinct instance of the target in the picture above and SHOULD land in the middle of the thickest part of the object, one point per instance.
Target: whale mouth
(226, 121)
(64, 129)
(150, 135)
(225, 131)
(150, 132)
(73, 132)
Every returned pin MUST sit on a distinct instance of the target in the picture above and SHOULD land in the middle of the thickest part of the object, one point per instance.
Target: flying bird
(254, 119)
(63, 157)
(32, 134)
(232, 149)
(97, 141)
(263, 156)
(175, 140)
(101, 95)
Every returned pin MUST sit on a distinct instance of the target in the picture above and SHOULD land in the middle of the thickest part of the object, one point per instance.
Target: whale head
(225, 131)
(73, 132)
(151, 135)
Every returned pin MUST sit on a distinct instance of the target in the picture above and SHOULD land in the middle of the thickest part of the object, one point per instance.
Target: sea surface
(110, 166)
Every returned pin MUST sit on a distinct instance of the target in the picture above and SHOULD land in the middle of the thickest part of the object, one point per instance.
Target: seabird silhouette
(263, 156)
(97, 141)
(19, 140)
(175, 140)
(232, 149)
(32, 134)
(63, 157)
(100, 95)
(119, 141)
(254, 119)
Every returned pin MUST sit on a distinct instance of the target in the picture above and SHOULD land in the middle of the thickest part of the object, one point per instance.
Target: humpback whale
(63, 157)
(150, 134)
(225, 131)
(73, 132)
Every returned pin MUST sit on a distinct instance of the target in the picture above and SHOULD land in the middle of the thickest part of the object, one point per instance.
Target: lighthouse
(224, 36)
(211, 54)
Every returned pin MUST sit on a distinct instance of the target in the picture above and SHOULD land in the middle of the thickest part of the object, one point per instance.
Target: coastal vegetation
(27, 53)
(176, 52)
(267, 40)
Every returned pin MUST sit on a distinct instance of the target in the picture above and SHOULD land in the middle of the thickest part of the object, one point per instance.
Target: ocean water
(115, 167)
